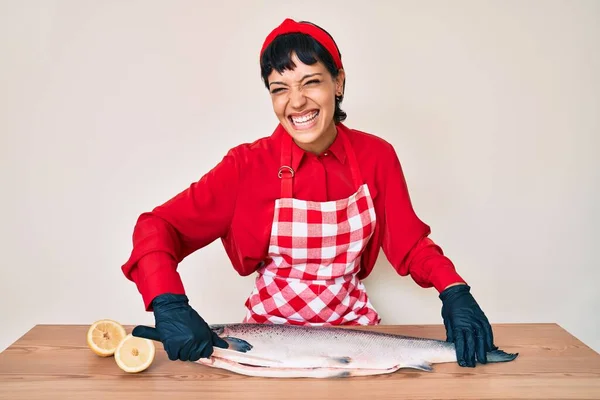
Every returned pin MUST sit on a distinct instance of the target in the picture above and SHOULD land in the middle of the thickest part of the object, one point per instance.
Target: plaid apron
(314, 257)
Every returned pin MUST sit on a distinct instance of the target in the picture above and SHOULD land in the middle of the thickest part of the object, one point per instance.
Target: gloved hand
(184, 334)
(466, 326)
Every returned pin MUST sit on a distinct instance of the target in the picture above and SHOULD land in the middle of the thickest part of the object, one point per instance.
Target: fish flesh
(297, 351)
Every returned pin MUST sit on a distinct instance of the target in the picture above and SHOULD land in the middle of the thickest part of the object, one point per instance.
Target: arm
(406, 243)
(187, 222)
(410, 251)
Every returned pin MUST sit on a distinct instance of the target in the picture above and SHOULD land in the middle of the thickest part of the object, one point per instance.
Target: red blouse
(234, 202)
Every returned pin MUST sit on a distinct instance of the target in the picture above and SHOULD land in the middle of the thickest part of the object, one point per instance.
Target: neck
(321, 144)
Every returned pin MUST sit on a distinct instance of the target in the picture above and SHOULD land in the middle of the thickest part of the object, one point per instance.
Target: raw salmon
(291, 351)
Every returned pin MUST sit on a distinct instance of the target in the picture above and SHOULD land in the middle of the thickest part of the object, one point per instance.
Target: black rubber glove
(466, 326)
(184, 334)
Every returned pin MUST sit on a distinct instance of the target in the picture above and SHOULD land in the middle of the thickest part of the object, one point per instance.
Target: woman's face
(304, 102)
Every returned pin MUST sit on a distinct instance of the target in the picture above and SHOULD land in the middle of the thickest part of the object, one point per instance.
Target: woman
(307, 209)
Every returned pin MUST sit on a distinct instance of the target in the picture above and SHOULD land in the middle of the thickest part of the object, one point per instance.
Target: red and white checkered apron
(314, 257)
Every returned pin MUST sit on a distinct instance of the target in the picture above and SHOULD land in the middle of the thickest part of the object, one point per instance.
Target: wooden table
(54, 362)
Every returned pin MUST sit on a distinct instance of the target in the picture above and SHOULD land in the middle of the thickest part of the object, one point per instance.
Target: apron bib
(314, 256)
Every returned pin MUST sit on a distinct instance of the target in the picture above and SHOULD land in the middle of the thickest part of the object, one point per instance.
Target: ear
(339, 83)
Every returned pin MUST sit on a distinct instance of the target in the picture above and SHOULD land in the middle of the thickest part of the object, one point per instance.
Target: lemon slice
(135, 354)
(104, 336)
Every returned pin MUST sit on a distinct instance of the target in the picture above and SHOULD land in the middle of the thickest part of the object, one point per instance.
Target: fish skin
(293, 351)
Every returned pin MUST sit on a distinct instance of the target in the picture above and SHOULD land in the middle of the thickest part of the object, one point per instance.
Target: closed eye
(310, 82)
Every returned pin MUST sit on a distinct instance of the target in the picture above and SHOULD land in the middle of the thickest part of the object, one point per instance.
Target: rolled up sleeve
(192, 219)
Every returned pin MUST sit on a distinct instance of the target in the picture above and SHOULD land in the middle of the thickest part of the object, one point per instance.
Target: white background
(109, 108)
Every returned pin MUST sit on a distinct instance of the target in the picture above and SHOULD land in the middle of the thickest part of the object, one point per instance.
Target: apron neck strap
(287, 173)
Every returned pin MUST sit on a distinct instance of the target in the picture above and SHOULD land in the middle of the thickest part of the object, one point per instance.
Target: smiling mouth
(305, 121)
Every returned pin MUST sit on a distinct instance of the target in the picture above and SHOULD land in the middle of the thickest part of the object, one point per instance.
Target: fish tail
(496, 356)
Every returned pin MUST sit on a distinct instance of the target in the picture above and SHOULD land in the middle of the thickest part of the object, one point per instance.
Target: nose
(297, 98)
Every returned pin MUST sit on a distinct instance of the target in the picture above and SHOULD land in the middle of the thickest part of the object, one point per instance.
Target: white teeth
(304, 119)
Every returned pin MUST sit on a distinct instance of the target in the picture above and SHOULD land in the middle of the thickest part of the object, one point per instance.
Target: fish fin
(237, 344)
(344, 374)
(342, 360)
(423, 366)
(497, 355)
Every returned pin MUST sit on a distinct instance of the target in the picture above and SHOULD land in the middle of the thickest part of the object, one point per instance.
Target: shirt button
(326, 154)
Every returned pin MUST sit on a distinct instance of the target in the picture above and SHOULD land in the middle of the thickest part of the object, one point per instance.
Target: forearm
(152, 265)
(429, 267)
(156, 274)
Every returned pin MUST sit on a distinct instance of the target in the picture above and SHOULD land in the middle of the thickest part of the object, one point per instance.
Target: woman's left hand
(466, 326)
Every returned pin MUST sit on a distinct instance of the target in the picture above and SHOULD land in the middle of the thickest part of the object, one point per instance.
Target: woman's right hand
(182, 331)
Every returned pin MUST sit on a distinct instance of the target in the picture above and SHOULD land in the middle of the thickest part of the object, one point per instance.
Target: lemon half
(135, 354)
(104, 336)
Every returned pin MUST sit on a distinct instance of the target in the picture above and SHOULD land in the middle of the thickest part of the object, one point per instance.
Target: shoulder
(249, 159)
(369, 145)
(249, 152)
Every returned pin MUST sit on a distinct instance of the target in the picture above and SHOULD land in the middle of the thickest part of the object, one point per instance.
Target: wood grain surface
(54, 362)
